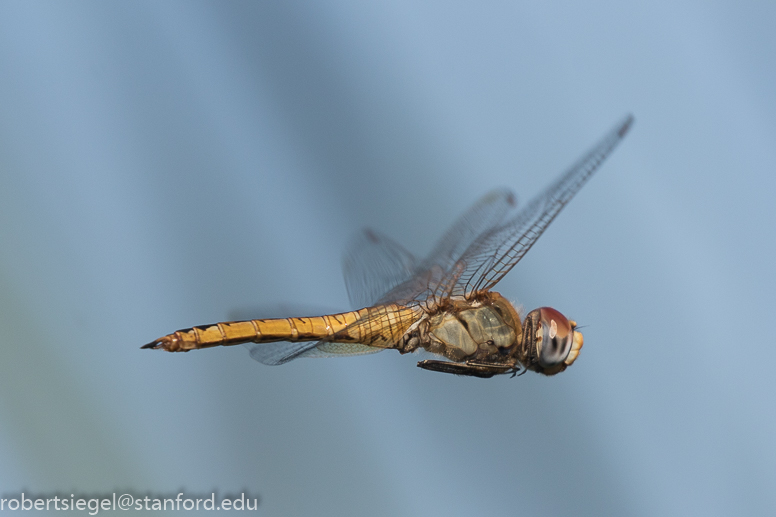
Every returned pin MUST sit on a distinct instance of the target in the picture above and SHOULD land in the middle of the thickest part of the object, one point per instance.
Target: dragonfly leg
(469, 368)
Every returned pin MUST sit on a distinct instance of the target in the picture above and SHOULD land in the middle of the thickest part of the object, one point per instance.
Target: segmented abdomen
(380, 326)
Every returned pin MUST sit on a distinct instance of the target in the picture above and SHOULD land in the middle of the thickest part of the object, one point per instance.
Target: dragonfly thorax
(488, 330)
(474, 330)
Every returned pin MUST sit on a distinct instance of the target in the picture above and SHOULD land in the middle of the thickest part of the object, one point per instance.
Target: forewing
(372, 265)
(495, 252)
(487, 213)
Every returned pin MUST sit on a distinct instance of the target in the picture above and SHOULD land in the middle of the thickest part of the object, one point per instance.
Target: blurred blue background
(163, 164)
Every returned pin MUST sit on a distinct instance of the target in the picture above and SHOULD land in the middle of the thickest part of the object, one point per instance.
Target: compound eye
(555, 338)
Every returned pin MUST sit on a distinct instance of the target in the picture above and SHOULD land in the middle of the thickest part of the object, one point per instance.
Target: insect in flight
(443, 304)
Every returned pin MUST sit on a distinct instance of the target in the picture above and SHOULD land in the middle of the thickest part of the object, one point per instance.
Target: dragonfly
(443, 304)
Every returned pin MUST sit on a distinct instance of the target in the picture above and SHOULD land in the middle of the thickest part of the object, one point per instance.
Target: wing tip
(625, 126)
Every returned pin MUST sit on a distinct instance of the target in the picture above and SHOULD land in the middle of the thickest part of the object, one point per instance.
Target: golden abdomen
(380, 326)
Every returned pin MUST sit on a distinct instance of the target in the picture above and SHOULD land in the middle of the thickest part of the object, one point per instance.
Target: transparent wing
(281, 352)
(324, 349)
(494, 253)
(372, 265)
(274, 354)
(487, 213)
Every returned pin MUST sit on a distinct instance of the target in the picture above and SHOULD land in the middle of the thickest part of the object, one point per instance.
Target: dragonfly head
(551, 342)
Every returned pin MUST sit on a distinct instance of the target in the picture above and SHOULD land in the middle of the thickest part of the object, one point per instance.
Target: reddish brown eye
(555, 339)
